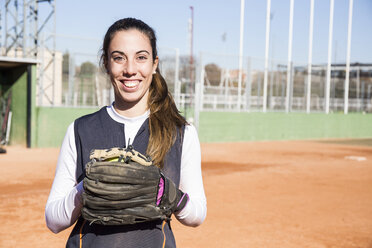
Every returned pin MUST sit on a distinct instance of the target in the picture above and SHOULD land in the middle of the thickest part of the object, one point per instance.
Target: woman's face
(130, 66)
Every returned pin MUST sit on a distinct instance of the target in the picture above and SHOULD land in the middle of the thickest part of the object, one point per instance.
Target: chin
(130, 98)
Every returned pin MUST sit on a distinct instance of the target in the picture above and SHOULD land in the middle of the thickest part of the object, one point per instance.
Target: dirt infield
(261, 194)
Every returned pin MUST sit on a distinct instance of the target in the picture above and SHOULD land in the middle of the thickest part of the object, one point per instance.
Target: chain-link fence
(220, 85)
(76, 79)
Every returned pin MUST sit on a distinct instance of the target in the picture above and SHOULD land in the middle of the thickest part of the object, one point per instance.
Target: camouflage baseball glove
(122, 187)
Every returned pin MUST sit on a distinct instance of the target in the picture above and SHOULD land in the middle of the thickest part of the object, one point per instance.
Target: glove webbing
(122, 154)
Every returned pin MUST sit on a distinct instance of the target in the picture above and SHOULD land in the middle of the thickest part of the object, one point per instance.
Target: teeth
(131, 84)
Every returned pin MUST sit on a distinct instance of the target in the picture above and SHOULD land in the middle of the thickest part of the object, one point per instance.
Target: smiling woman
(131, 67)
(143, 112)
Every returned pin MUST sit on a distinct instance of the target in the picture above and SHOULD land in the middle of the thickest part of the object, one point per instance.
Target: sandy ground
(261, 194)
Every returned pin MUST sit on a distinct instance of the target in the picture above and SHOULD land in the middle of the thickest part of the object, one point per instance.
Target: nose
(130, 68)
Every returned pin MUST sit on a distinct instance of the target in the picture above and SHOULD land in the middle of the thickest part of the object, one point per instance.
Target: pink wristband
(160, 192)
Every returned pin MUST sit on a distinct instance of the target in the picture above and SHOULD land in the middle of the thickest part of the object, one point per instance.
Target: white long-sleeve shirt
(64, 203)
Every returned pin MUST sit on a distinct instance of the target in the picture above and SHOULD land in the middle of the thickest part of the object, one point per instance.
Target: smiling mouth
(130, 83)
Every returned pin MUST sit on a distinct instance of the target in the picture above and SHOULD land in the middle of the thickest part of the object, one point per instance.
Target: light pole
(330, 35)
(191, 30)
(289, 64)
(309, 62)
(241, 52)
(346, 94)
(268, 7)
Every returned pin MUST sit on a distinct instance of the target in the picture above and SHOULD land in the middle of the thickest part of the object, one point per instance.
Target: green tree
(65, 62)
(87, 69)
(213, 72)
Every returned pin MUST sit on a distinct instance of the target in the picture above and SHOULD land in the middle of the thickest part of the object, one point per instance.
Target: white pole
(248, 86)
(191, 32)
(8, 125)
(241, 52)
(310, 57)
(201, 87)
(71, 75)
(267, 43)
(289, 64)
(177, 88)
(346, 95)
(197, 105)
(328, 83)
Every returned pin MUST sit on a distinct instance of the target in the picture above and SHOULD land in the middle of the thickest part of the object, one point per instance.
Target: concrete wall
(52, 123)
(224, 126)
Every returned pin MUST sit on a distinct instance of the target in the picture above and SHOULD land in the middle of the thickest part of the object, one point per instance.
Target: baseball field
(260, 194)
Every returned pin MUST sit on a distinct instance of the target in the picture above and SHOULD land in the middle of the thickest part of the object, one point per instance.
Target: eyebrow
(121, 53)
(143, 51)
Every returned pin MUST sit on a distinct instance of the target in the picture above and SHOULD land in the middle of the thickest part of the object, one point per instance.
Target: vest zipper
(162, 229)
(81, 234)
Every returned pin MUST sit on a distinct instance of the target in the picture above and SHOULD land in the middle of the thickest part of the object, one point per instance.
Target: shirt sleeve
(191, 181)
(64, 203)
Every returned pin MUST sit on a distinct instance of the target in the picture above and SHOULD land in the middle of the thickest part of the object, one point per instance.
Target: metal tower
(27, 30)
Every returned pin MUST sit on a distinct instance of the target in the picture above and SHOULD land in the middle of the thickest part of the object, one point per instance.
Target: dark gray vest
(100, 131)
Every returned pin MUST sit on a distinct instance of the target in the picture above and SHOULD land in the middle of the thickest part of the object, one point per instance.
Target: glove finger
(118, 191)
(94, 202)
(123, 216)
(118, 173)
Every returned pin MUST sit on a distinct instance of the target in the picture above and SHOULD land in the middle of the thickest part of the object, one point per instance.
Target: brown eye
(118, 59)
(142, 57)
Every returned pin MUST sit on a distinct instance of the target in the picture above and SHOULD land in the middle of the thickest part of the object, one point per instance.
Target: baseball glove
(122, 187)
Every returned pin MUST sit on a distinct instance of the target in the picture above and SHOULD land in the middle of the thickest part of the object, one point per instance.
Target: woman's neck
(129, 109)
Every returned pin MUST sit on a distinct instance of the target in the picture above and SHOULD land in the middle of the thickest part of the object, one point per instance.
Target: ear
(105, 64)
(155, 65)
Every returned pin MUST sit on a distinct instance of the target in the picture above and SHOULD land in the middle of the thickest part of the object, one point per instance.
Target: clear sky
(213, 18)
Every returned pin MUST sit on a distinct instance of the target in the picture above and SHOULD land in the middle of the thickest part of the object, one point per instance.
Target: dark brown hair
(165, 120)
